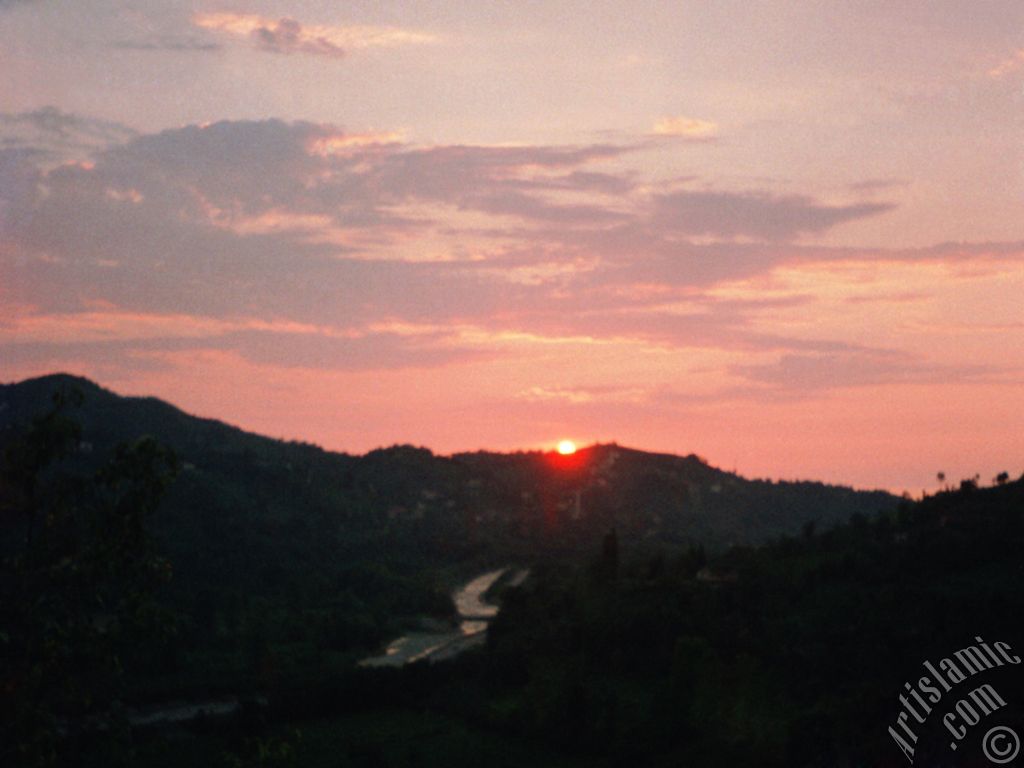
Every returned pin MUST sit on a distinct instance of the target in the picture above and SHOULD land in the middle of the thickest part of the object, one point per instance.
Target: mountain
(801, 658)
(290, 562)
(324, 552)
(465, 505)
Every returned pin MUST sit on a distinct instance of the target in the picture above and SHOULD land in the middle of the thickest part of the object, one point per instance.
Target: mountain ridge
(289, 557)
(255, 515)
(51, 383)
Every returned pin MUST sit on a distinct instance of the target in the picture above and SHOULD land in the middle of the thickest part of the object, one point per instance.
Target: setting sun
(566, 447)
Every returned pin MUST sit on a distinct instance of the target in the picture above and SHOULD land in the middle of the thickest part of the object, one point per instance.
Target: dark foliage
(651, 629)
(77, 580)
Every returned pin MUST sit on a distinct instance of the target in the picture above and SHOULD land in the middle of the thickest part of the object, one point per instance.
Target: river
(474, 614)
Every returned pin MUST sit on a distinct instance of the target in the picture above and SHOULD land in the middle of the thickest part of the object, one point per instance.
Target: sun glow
(567, 447)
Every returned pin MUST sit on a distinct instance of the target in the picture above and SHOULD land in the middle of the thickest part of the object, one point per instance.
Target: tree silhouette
(610, 555)
(76, 580)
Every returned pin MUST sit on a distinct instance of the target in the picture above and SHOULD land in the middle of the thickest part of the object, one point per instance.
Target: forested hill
(268, 564)
(290, 563)
(239, 488)
(798, 654)
(285, 545)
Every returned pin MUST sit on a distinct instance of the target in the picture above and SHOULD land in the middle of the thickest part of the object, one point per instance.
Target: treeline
(256, 563)
(285, 555)
(792, 654)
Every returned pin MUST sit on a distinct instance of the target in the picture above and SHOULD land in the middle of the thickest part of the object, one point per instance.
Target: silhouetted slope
(455, 506)
(237, 486)
(281, 542)
(290, 562)
(665, 497)
(791, 654)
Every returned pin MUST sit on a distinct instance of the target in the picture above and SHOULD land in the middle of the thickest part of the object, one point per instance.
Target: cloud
(287, 35)
(59, 136)
(703, 324)
(235, 216)
(758, 215)
(685, 128)
(870, 186)
(371, 351)
(583, 395)
(345, 233)
(1008, 66)
(855, 368)
(103, 338)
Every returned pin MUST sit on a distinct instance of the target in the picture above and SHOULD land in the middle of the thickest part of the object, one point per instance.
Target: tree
(610, 555)
(77, 576)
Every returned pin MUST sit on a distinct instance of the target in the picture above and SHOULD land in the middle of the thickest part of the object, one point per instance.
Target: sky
(785, 236)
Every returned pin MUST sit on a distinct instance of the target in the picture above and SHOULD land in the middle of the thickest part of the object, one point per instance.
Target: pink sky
(785, 236)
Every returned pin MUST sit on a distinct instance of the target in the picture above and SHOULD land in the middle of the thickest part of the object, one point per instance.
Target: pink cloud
(287, 35)
(681, 127)
(1008, 66)
(574, 283)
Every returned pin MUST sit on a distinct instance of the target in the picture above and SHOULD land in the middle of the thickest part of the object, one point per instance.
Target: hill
(459, 506)
(795, 653)
(284, 545)
(686, 644)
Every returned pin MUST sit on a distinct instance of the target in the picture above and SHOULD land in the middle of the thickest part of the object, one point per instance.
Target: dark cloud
(757, 215)
(302, 222)
(512, 203)
(104, 355)
(491, 179)
(855, 368)
(19, 179)
(58, 136)
(288, 36)
(373, 351)
(710, 325)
